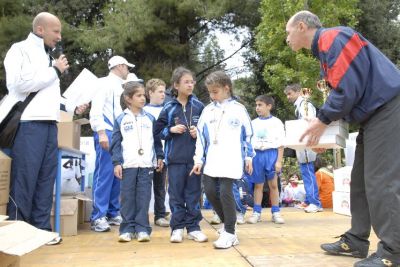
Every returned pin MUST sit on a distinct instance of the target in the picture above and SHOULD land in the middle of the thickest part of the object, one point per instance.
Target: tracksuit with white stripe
(184, 190)
(105, 108)
(136, 150)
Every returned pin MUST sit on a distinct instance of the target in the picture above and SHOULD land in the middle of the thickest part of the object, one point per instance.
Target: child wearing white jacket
(223, 148)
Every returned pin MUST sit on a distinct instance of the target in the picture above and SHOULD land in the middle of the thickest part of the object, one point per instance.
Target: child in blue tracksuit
(155, 90)
(177, 126)
(135, 154)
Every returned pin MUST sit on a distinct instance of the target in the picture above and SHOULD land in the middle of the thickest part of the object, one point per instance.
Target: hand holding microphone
(61, 63)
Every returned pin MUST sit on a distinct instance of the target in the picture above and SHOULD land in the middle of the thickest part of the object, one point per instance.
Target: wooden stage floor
(295, 243)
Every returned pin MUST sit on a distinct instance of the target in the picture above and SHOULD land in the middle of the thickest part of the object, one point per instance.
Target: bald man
(31, 70)
(365, 89)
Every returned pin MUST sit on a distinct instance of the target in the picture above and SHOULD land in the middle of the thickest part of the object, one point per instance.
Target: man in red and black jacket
(365, 89)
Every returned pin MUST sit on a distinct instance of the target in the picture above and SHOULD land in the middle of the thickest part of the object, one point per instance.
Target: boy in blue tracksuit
(177, 126)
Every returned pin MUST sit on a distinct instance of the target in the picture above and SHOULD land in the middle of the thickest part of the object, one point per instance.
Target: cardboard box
(342, 179)
(69, 131)
(3, 209)
(334, 136)
(72, 212)
(341, 203)
(5, 170)
(69, 216)
(18, 238)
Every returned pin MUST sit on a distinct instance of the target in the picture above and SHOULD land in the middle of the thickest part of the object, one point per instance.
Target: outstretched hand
(313, 132)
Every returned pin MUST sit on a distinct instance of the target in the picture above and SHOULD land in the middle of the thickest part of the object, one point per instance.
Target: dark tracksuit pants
(184, 197)
(222, 202)
(159, 194)
(33, 172)
(135, 200)
(375, 182)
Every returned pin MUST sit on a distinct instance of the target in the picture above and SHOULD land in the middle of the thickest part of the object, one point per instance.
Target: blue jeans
(135, 200)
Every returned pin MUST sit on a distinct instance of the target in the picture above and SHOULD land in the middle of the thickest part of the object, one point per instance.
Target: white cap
(118, 60)
(132, 78)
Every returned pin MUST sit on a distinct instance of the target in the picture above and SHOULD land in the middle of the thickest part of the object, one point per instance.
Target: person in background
(155, 91)
(267, 164)
(177, 126)
(105, 109)
(293, 193)
(30, 69)
(136, 154)
(365, 89)
(305, 157)
(325, 182)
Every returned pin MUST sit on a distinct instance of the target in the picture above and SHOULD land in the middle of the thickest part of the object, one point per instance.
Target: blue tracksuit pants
(310, 183)
(135, 200)
(33, 172)
(184, 197)
(106, 186)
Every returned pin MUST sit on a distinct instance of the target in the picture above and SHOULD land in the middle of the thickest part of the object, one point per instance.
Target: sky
(229, 44)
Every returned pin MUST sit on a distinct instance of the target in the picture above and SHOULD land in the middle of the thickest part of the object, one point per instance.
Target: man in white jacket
(105, 109)
(30, 68)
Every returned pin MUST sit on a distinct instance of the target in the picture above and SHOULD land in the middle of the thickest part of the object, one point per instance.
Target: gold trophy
(323, 86)
(306, 94)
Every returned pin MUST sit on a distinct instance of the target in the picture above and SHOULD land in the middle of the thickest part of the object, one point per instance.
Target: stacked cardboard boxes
(72, 214)
(341, 195)
(5, 170)
(69, 131)
(335, 134)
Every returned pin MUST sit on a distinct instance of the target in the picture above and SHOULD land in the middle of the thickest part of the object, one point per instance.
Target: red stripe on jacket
(326, 40)
(343, 61)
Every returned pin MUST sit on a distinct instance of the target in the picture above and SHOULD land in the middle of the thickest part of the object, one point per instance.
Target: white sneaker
(117, 220)
(197, 236)
(143, 237)
(312, 208)
(55, 241)
(221, 229)
(240, 218)
(162, 222)
(100, 225)
(226, 240)
(277, 218)
(177, 236)
(215, 219)
(254, 218)
(125, 237)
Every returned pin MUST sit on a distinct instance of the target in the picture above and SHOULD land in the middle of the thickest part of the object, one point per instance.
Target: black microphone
(58, 51)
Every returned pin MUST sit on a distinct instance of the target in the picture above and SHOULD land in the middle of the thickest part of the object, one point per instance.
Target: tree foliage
(282, 66)
(380, 24)
(156, 35)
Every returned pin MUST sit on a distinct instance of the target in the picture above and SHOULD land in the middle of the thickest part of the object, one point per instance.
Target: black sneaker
(343, 247)
(375, 261)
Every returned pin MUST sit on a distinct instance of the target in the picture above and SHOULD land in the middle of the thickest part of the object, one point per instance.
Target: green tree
(282, 66)
(380, 24)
